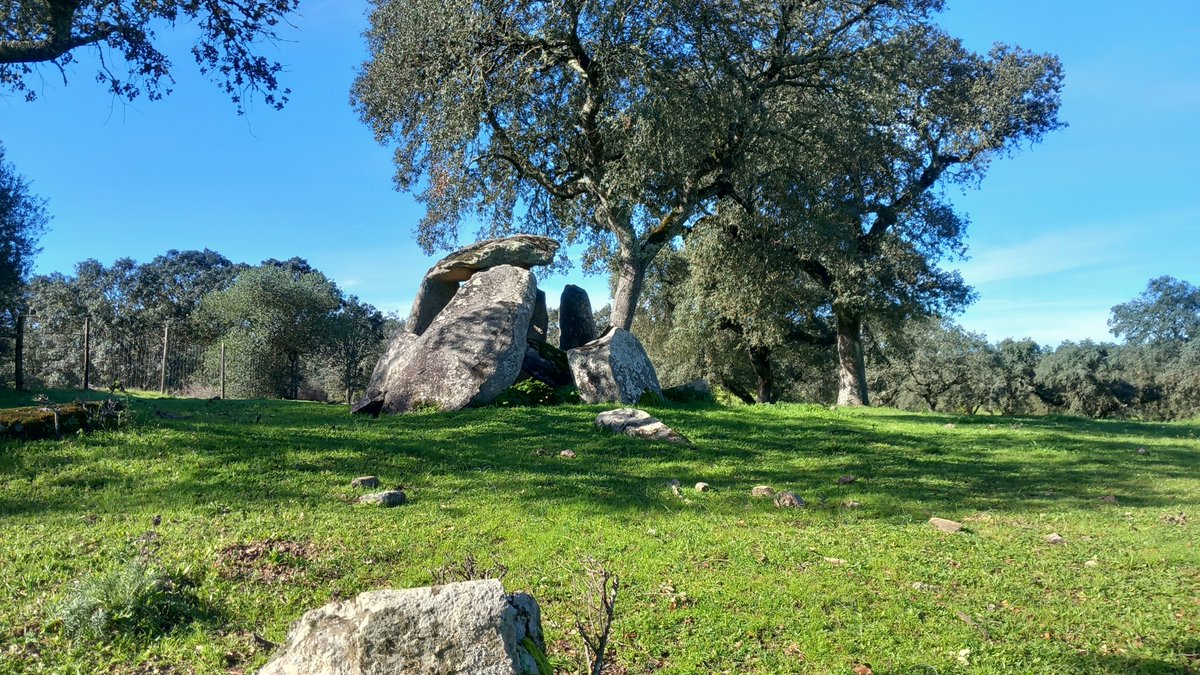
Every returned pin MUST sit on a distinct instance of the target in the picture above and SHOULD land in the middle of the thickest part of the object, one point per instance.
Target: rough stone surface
(522, 250)
(613, 368)
(441, 281)
(789, 500)
(947, 526)
(365, 482)
(1054, 538)
(432, 297)
(464, 628)
(387, 372)
(385, 498)
(703, 487)
(539, 325)
(762, 491)
(577, 325)
(546, 363)
(471, 352)
(638, 424)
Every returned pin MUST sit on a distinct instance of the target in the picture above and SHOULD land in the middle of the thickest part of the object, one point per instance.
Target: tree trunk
(631, 275)
(19, 355)
(737, 390)
(295, 359)
(852, 366)
(760, 361)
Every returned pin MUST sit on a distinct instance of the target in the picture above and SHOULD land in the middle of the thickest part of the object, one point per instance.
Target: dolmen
(479, 323)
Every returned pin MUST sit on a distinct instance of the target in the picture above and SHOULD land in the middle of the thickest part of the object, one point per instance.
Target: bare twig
(594, 628)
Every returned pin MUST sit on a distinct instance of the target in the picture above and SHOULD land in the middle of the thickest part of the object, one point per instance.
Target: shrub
(533, 392)
(136, 597)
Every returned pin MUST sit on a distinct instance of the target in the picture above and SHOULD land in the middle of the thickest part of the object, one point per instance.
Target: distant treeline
(929, 363)
(287, 330)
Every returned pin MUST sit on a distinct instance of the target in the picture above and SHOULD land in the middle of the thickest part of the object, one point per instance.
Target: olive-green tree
(272, 319)
(612, 122)
(870, 225)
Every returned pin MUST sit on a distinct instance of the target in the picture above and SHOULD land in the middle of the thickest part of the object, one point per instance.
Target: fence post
(162, 377)
(87, 355)
(222, 370)
(19, 363)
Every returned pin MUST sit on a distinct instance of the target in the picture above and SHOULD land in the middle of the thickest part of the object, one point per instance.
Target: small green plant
(135, 597)
(528, 393)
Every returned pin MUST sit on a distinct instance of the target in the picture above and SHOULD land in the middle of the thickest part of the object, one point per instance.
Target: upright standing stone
(539, 325)
(468, 628)
(613, 368)
(577, 326)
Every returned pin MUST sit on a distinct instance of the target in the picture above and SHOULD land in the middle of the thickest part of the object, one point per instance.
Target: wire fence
(88, 356)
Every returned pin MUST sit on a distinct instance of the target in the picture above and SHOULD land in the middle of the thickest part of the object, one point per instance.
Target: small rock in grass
(789, 500)
(365, 482)
(702, 487)
(835, 561)
(851, 504)
(762, 491)
(950, 425)
(567, 454)
(1055, 539)
(1180, 519)
(928, 588)
(1142, 451)
(1092, 563)
(846, 480)
(947, 526)
(385, 498)
(863, 669)
(1110, 499)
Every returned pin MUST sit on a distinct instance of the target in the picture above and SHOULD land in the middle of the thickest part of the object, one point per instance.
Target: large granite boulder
(472, 628)
(577, 325)
(470, 353)
(442, 280)
(613, 368)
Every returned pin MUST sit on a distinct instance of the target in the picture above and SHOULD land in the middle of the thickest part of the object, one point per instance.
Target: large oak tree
(613, 122)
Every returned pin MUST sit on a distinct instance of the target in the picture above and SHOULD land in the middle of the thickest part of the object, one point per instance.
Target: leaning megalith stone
(442, 280)
(539, 325)
(470, 627)
(577, 326)
(470, 353)
(613, 368)
(387, 372)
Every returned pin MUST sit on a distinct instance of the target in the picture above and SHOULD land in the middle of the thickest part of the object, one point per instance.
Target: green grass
(711, 582)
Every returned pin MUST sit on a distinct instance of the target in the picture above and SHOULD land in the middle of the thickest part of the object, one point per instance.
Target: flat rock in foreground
(472, 627)
(613, 368)
(638, 424)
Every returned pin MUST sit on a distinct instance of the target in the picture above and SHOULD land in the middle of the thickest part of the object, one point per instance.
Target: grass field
(257, 515)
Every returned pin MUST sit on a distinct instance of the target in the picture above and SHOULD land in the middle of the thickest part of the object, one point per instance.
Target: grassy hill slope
(256, 512)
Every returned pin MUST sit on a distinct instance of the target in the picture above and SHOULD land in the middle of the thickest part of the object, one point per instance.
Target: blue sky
(1059, 233)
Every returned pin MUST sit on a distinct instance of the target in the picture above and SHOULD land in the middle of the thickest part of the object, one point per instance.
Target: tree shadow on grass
(256, 453)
